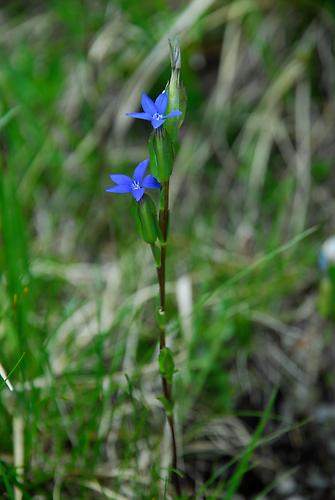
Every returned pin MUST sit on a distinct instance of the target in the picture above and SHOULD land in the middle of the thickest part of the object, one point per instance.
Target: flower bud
(146, 219)
(176, 92)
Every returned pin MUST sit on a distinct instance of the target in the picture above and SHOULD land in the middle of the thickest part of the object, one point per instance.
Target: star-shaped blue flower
(136, 186)
(154, 112)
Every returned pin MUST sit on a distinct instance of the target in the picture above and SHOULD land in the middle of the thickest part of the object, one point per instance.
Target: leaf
(243, 465)
(166, 364)
(167, 404)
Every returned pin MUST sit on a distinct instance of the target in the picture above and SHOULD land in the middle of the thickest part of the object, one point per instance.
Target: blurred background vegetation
(252, 202)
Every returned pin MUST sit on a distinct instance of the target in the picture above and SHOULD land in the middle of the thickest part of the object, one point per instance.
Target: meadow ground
(250, 314)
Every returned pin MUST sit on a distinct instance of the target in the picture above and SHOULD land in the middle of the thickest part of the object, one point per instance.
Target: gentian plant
(166, 116)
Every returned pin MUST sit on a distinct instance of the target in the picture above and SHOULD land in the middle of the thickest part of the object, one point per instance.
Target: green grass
(250, 208)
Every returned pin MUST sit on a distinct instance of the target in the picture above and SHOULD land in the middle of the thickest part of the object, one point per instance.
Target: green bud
(166, 364)
(146, 219)
(161, 155)
(176, 92)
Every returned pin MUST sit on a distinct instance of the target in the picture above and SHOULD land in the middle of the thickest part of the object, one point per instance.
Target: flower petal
(150, 182)
(137, 193)
(161, 102)
(148, 105)
(119, 189)
(141, 116)
(173, 113)
(140, 170)
(121, 179)
(157, 123)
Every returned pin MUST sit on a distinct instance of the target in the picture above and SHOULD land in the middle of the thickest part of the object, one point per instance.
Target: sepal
(145, 215)
(161, 155)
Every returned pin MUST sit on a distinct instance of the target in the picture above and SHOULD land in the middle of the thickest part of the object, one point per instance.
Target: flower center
(135, 185)
(157, 116)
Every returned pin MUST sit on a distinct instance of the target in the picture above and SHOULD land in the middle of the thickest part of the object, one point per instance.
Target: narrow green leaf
(166, 363)
(243, 465)
(167, 404)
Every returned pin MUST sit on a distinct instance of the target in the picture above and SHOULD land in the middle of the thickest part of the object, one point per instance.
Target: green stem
(167, 389)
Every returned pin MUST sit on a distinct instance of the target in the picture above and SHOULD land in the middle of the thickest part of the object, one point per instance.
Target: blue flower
(136, 186)
(154, 111)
